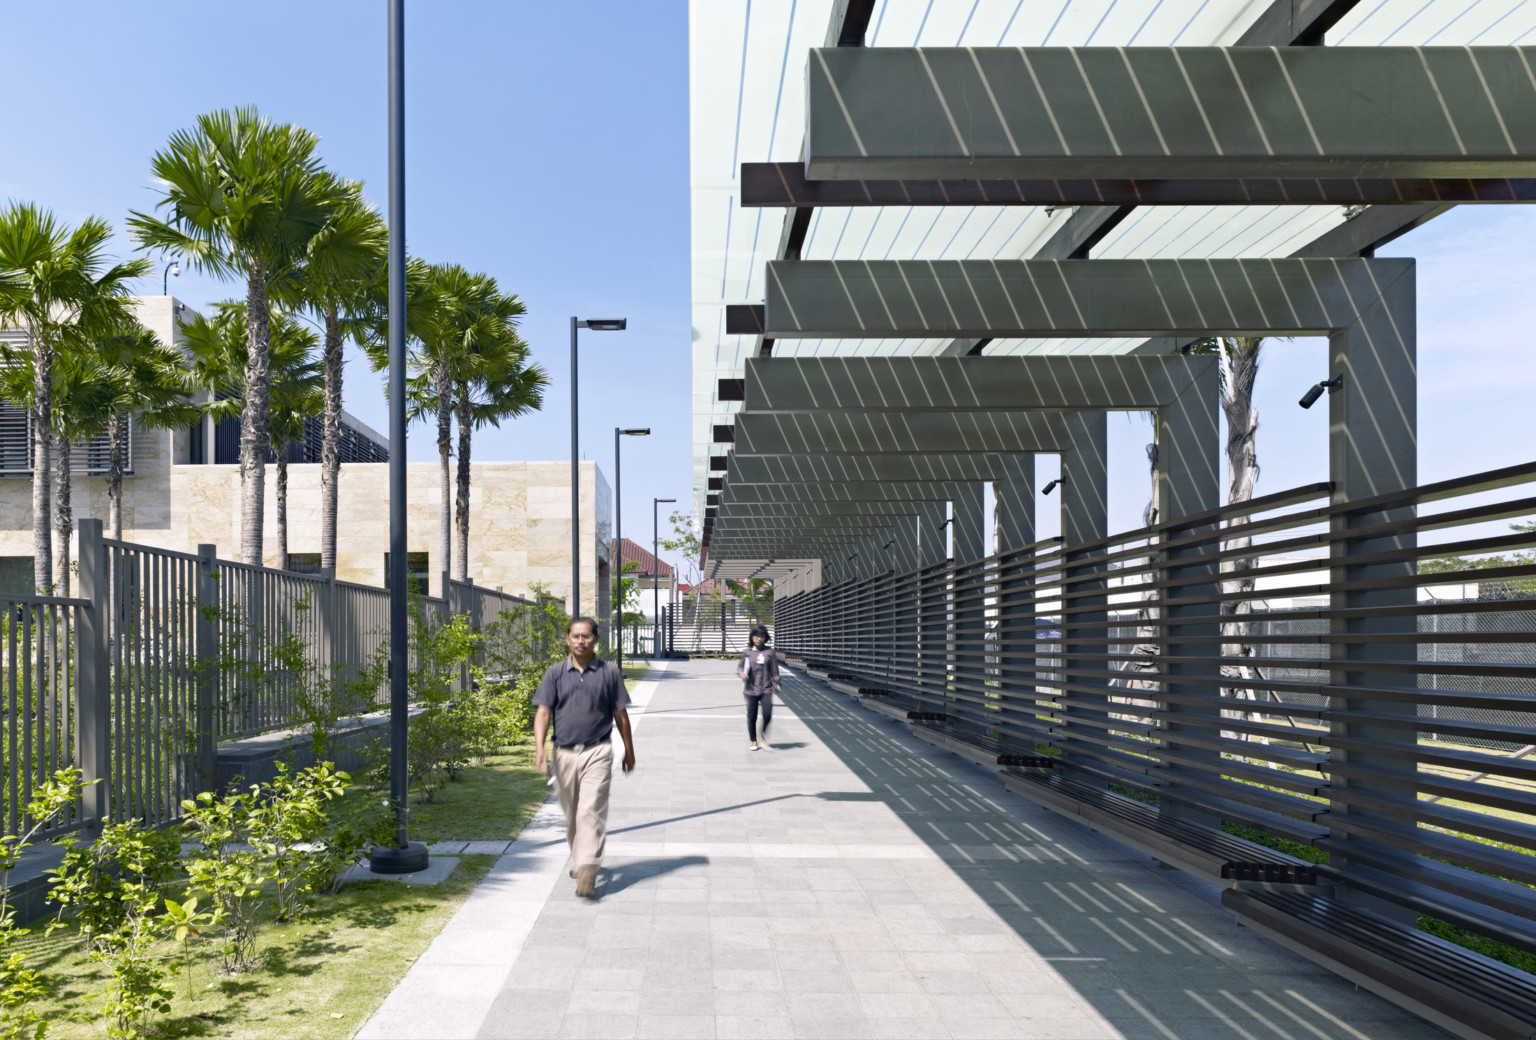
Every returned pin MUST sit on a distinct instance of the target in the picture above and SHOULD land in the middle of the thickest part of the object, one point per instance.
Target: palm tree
(57, 287)
(455, 319)
(155, 389)
(503, 385)
(218, 348)
(81, 396)
(244, 198)
(1239, 368)
(337, 283)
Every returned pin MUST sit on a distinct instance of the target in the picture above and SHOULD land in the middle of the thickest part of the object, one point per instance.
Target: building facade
(182, 490)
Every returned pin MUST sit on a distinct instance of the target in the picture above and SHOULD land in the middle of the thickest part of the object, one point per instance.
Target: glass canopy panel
(747, 104)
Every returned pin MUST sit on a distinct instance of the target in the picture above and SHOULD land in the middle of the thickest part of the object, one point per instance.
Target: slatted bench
(1464, 992)
(1207, 852)
(985, 751)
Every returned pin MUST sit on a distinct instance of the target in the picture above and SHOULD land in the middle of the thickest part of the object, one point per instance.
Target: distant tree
(686, 543)
(57, 286)
(460, 327)
(82, 394)
(244, 198)
(756, 596)
(155, 390)
(503, 385)
(629, 595)
(1500, 585)
(338, 283)
(218, 347)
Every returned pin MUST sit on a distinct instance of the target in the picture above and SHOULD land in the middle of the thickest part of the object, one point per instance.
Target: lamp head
(175, 269)
(1052, 485)
(663, 500)
(637, 432)
(604, 324)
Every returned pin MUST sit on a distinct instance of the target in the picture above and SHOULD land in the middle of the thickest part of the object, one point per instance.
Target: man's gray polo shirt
(583, 702)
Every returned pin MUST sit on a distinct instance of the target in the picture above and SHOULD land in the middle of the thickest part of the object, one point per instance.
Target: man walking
(586, 698)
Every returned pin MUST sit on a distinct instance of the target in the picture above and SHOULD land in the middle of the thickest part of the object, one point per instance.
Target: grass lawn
(489, 803)
(326, 973)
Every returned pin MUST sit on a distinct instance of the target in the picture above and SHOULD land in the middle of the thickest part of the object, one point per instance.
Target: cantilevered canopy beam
(842, 492)
(989, 388)
(916, 299)
(835, 468)
(1171, 112)
(765, 185)
(897, 432)
(774, 511)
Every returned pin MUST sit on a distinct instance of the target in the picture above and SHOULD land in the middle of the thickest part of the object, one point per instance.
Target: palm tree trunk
(330, 441)
(255, 431)
(65, 517)
(1144, 667)
(1240, 364)
(117, 442)
(42, 462)
(444, 452)
(282, 505)
(461, 501)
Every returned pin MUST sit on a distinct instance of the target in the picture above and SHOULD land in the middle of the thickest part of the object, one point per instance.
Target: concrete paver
(852, 882)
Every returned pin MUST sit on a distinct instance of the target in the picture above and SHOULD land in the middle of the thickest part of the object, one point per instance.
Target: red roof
(629, 551)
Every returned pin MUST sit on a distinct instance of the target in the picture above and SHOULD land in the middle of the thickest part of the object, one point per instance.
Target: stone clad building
(183, 489)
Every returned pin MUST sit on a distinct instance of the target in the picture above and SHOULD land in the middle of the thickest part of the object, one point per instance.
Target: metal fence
(1287, 665)
(165, 655)
(40, 710)
(698, 625)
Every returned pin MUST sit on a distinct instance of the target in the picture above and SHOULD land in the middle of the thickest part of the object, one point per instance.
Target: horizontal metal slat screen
(1287, 728)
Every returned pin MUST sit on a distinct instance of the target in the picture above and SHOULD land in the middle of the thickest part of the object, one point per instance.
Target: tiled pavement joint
(853, 882)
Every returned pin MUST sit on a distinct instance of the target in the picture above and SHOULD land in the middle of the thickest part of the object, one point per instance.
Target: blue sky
(548, 145)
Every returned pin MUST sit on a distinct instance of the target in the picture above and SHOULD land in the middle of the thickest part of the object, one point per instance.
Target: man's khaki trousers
(582, 779)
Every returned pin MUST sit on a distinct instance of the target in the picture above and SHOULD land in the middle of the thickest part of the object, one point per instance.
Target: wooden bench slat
(1465, 992)
(1205, 850)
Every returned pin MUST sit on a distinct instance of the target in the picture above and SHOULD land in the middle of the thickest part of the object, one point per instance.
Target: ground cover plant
(235, 922)
(321, 975)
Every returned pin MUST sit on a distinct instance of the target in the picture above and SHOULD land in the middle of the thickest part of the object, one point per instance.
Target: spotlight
(1052, 485)
(1333, 386)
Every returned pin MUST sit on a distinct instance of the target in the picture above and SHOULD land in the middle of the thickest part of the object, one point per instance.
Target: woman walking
(759, 669)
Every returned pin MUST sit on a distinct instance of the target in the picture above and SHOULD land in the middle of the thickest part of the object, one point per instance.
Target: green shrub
(22, 987)
(354, 826)
(1501, 952)
(1272, 841)
(113, 886)
(285, 818)
(107, 882)
(228, 871)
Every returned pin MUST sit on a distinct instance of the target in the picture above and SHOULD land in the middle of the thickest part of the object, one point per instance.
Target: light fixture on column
(1333, 386)
(596, 325)
(1052, 485)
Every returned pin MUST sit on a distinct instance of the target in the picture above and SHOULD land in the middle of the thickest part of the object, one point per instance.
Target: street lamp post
(405, 857)
(596, 325)
(618, 553)
(656, 577)
(172, 270)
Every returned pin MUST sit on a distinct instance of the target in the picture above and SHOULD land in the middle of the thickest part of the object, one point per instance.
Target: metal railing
(39, 716)
(165, 655)
(1326, 672)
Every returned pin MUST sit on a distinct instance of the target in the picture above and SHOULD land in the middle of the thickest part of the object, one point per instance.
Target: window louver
(92, 457)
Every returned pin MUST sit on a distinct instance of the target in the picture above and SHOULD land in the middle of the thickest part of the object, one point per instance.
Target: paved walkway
(852, 882)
